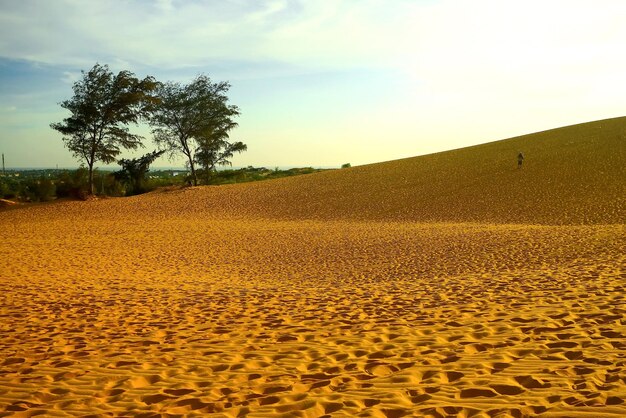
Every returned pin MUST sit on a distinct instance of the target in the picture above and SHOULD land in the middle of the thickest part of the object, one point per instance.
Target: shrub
(73, 183)
(9, 188)
(39, 190)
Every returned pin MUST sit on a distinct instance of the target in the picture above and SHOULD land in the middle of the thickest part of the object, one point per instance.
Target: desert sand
(445, 285)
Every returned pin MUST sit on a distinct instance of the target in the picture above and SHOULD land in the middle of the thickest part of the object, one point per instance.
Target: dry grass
(329, 294)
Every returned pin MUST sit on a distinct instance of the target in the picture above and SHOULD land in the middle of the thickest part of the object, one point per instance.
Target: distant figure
(520, 159)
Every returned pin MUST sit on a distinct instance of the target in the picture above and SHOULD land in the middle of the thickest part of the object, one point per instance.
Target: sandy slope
(248, 301)
(571, 175)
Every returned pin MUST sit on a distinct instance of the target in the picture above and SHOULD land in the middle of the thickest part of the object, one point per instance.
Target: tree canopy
(214, 149)
(134, 170)
(101, 109)
(195, 120)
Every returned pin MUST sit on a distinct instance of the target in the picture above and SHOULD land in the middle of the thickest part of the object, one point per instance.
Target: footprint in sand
(530, 382)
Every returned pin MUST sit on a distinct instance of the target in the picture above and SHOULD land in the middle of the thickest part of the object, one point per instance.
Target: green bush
(39, 190)
(72, 183)
(107, 184)
(9, 188)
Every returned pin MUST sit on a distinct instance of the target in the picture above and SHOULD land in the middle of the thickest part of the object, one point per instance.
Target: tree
(101, 108)
(194, 119)
(134, 170)
(214, 149)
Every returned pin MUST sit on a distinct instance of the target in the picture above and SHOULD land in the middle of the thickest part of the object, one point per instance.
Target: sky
(323, 82)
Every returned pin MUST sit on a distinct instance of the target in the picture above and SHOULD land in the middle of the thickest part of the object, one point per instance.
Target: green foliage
(39, 190)
(194, 120)
(214, 151)
(248, 174)
(48, 184)
(72, 184)
(164, 179)
(346, 165)
(133, 172)
(107, 184)
(101, 108)
(9, 188)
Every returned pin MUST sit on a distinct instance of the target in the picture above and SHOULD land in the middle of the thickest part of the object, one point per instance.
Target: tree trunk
(187, 152)
(90, 189)
(193, 172)
(209, 172)
(90, 161)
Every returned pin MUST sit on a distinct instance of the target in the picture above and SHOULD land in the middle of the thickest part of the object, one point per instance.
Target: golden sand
(246, 301)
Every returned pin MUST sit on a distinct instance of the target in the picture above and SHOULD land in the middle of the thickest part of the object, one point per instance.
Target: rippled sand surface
(268, 317)
(233, 301)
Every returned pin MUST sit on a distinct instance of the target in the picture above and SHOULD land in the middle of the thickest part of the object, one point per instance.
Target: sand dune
(571, 175)
(313, 297)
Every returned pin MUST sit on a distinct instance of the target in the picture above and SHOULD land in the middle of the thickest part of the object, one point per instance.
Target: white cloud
(172, 34)
(477, 41)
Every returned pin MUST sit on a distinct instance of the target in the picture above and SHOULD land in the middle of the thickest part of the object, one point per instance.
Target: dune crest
(572, 175)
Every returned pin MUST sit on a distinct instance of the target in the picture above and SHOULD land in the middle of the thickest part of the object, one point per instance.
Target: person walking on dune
(520, 159)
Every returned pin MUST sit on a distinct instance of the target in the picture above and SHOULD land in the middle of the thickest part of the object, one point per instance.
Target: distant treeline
(49, 184)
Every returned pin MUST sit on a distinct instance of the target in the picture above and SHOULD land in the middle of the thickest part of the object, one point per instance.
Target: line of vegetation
(50, 184)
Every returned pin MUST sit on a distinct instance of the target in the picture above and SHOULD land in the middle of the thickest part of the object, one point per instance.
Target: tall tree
(101, 109)
(190, 118)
